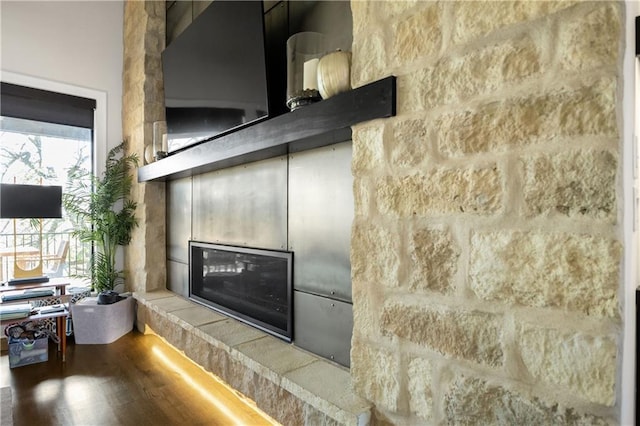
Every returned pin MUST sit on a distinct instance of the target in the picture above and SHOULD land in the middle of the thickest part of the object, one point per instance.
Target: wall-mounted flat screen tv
(215, 77)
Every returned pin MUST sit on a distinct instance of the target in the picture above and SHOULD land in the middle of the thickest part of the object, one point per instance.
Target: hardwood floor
(136, 380)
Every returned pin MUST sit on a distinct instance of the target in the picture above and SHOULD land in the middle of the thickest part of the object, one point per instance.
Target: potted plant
(103, 214)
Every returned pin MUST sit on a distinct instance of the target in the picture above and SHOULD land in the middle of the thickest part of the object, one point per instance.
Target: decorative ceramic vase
(334, 73)
(148, 154)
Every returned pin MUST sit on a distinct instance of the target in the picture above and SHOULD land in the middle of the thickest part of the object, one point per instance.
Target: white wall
(68, 45)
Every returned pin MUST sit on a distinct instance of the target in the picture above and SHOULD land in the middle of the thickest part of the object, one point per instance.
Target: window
(43, 136)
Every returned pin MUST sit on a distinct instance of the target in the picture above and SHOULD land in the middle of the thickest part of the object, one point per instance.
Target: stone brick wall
(142, 104)
(486, 247)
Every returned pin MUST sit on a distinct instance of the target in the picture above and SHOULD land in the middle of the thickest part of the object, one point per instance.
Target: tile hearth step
(291, 385)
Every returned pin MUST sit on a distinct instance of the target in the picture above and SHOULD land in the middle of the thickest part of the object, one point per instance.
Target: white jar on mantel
(334, 73)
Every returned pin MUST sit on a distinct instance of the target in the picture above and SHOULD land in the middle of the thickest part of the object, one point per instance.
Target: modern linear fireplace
(252, 285)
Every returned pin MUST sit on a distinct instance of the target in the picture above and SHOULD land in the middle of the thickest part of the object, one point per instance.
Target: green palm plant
(103, 213)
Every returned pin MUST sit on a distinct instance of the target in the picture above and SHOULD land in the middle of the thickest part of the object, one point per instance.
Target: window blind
(42, 105)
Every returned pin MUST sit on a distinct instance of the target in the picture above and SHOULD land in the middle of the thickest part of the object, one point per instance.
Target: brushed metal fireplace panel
(244, 205)
(320, 217)
(178, 278)
(178, 219)
(323, 326)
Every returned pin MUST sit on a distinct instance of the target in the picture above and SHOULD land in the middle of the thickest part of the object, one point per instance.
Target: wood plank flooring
(136, 380)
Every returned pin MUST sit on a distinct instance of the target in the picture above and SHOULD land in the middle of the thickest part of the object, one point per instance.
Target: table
(61, 329)
(60, 285)
(17, 251)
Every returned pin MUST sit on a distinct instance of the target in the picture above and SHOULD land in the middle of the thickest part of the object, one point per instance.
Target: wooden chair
(53, 264)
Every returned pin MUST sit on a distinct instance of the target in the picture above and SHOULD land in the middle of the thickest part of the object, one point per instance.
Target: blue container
(25, 352)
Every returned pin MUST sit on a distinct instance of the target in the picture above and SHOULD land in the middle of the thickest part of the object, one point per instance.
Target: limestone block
(154, 96)
(573, 184)
(222, 365)
(373, 14)
(367, 302)
(369, 58)
(410, 96)
(154, 110)
(572, 272)
(173, 333)
(133, 15)
(442, 191)
(154, 40)
(590, 110)
(418, 35)
(170, 304)
(580, 49)
(328, 388)
(361, 196)
(374, 374)
(278, 403)
(242, 379)
(585, 364)
(368, 149)
(497, 126)
(483, 71)
(474, 19)
(362, 16)
(136, 71)
(314, 417)
(463, 334)
(271, 358)
(472, 401)
(198, 350)
(434, 259)
(420, 375)
(410, 145)
(374, 254)
(196, 316)
(132, 103)
(156, 8)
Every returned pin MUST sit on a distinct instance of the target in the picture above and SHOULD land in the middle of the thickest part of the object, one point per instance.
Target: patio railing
(76, 262)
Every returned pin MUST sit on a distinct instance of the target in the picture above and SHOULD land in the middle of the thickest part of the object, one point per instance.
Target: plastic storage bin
(25, 352)
(95, 324)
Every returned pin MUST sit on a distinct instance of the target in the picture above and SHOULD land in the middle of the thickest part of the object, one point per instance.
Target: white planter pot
(101, 324)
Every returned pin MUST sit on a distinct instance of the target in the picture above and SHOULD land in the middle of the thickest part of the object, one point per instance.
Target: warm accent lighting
(213, 394)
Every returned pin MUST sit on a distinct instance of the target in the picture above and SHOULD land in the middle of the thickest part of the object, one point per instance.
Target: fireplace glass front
(251, 285)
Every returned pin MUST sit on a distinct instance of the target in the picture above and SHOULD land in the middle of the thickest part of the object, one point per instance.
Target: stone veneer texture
(486, 244)
(486, 250)
(142, 104)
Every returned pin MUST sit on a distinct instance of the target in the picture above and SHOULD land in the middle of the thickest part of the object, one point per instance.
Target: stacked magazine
(51, 309)
(21, 310)
(27, 294)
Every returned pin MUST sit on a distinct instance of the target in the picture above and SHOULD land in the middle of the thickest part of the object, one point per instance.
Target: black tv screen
(215, 77)
(21, 201)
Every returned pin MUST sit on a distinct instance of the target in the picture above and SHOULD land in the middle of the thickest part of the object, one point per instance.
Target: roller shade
(42, 105)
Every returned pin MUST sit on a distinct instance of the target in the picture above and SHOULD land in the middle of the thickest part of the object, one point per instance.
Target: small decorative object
(159, 140)
(303, 54)
(334, 73)
(148, 154)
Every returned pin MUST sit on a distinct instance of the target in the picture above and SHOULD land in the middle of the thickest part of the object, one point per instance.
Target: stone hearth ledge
(291, 385)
